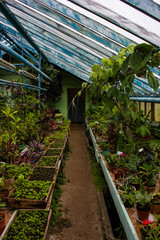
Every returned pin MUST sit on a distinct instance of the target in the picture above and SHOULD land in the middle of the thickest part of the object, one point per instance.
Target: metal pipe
(6, 84)
(8, 70)
(15, 42)
(19, 57)
(156, 50)
(146, 99)
(13, 20)
(21, 84)
(39, 76)
(0, 41)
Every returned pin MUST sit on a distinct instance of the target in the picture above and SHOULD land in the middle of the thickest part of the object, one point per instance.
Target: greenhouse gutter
(123, 215)
(22, 59)
(146, 99)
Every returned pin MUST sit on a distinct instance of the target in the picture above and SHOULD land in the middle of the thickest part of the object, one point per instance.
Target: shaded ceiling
(74, 35)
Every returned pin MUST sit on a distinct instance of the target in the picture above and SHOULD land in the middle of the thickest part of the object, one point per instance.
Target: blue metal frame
(9, 15)
(20, 45)
(64, 35)
(74, 20)
(16, 55)
(8, 70)
(2, 81)
(39, 77)
(95, 10)
(146, 99)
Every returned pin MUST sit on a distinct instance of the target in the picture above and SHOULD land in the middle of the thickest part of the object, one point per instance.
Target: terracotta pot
(2, 222)
(118, 173)
(149, 189)
(142, 215)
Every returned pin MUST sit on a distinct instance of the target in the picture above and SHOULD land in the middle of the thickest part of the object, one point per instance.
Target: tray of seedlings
(28, 224)
(43, 174)
(57, 144)
(30, 194)
(54, 152)
(59, 135)
(51, 161)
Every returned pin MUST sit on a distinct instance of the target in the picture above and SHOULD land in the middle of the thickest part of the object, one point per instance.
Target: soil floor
(81, 219)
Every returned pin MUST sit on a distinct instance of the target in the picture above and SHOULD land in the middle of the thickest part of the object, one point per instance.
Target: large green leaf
(144, 48)
(115, 92)
(125, 65)
(131, 80)
(143, 131)
(109, 93)
(153, 82)
(133, 115)
(135, 60)
(115, 69)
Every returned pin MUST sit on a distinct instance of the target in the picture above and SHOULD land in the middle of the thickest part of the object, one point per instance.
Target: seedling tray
(42, 174)
(48, 161)
(29, 203)
(7, 233)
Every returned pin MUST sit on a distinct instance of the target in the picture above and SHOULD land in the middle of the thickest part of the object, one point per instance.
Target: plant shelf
(130, 230)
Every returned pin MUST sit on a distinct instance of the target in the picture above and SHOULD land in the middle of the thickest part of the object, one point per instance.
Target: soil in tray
(48, 161)
(57, 144)
(35, 190)
(53, 152)
(28, 225)
(42, 174)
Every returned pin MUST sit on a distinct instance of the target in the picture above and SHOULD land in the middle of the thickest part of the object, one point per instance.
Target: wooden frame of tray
(6, 230)
(29, 203)
(56, 162)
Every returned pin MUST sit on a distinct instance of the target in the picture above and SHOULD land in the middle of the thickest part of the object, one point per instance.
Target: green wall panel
(68, 81)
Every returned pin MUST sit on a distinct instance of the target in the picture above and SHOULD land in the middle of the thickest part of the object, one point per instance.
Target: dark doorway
(76, 114)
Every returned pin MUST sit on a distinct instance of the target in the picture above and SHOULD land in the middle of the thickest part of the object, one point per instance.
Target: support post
(0, 41)
(39, 77)
(23, 64)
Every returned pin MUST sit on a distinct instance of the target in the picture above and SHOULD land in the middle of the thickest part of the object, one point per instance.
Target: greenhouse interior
(79, 100)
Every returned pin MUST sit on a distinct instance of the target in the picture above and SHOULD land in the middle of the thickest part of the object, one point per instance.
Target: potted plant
(142, 200)
(111, 160)
(134, 180)
(104, 147)
(150, 230)
(148, 172)
(132, 163)
(119, 166)
(128, 198)
(3, 191)
(2, 217)
(155, 203)
(111, 138)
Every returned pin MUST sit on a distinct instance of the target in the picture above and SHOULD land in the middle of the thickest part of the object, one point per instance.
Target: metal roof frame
(74, 37)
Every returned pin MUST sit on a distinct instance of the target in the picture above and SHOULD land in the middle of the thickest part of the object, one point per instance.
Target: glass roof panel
(74, 35)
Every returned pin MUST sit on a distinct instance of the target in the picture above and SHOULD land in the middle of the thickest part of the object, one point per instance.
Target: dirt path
(80, 203)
